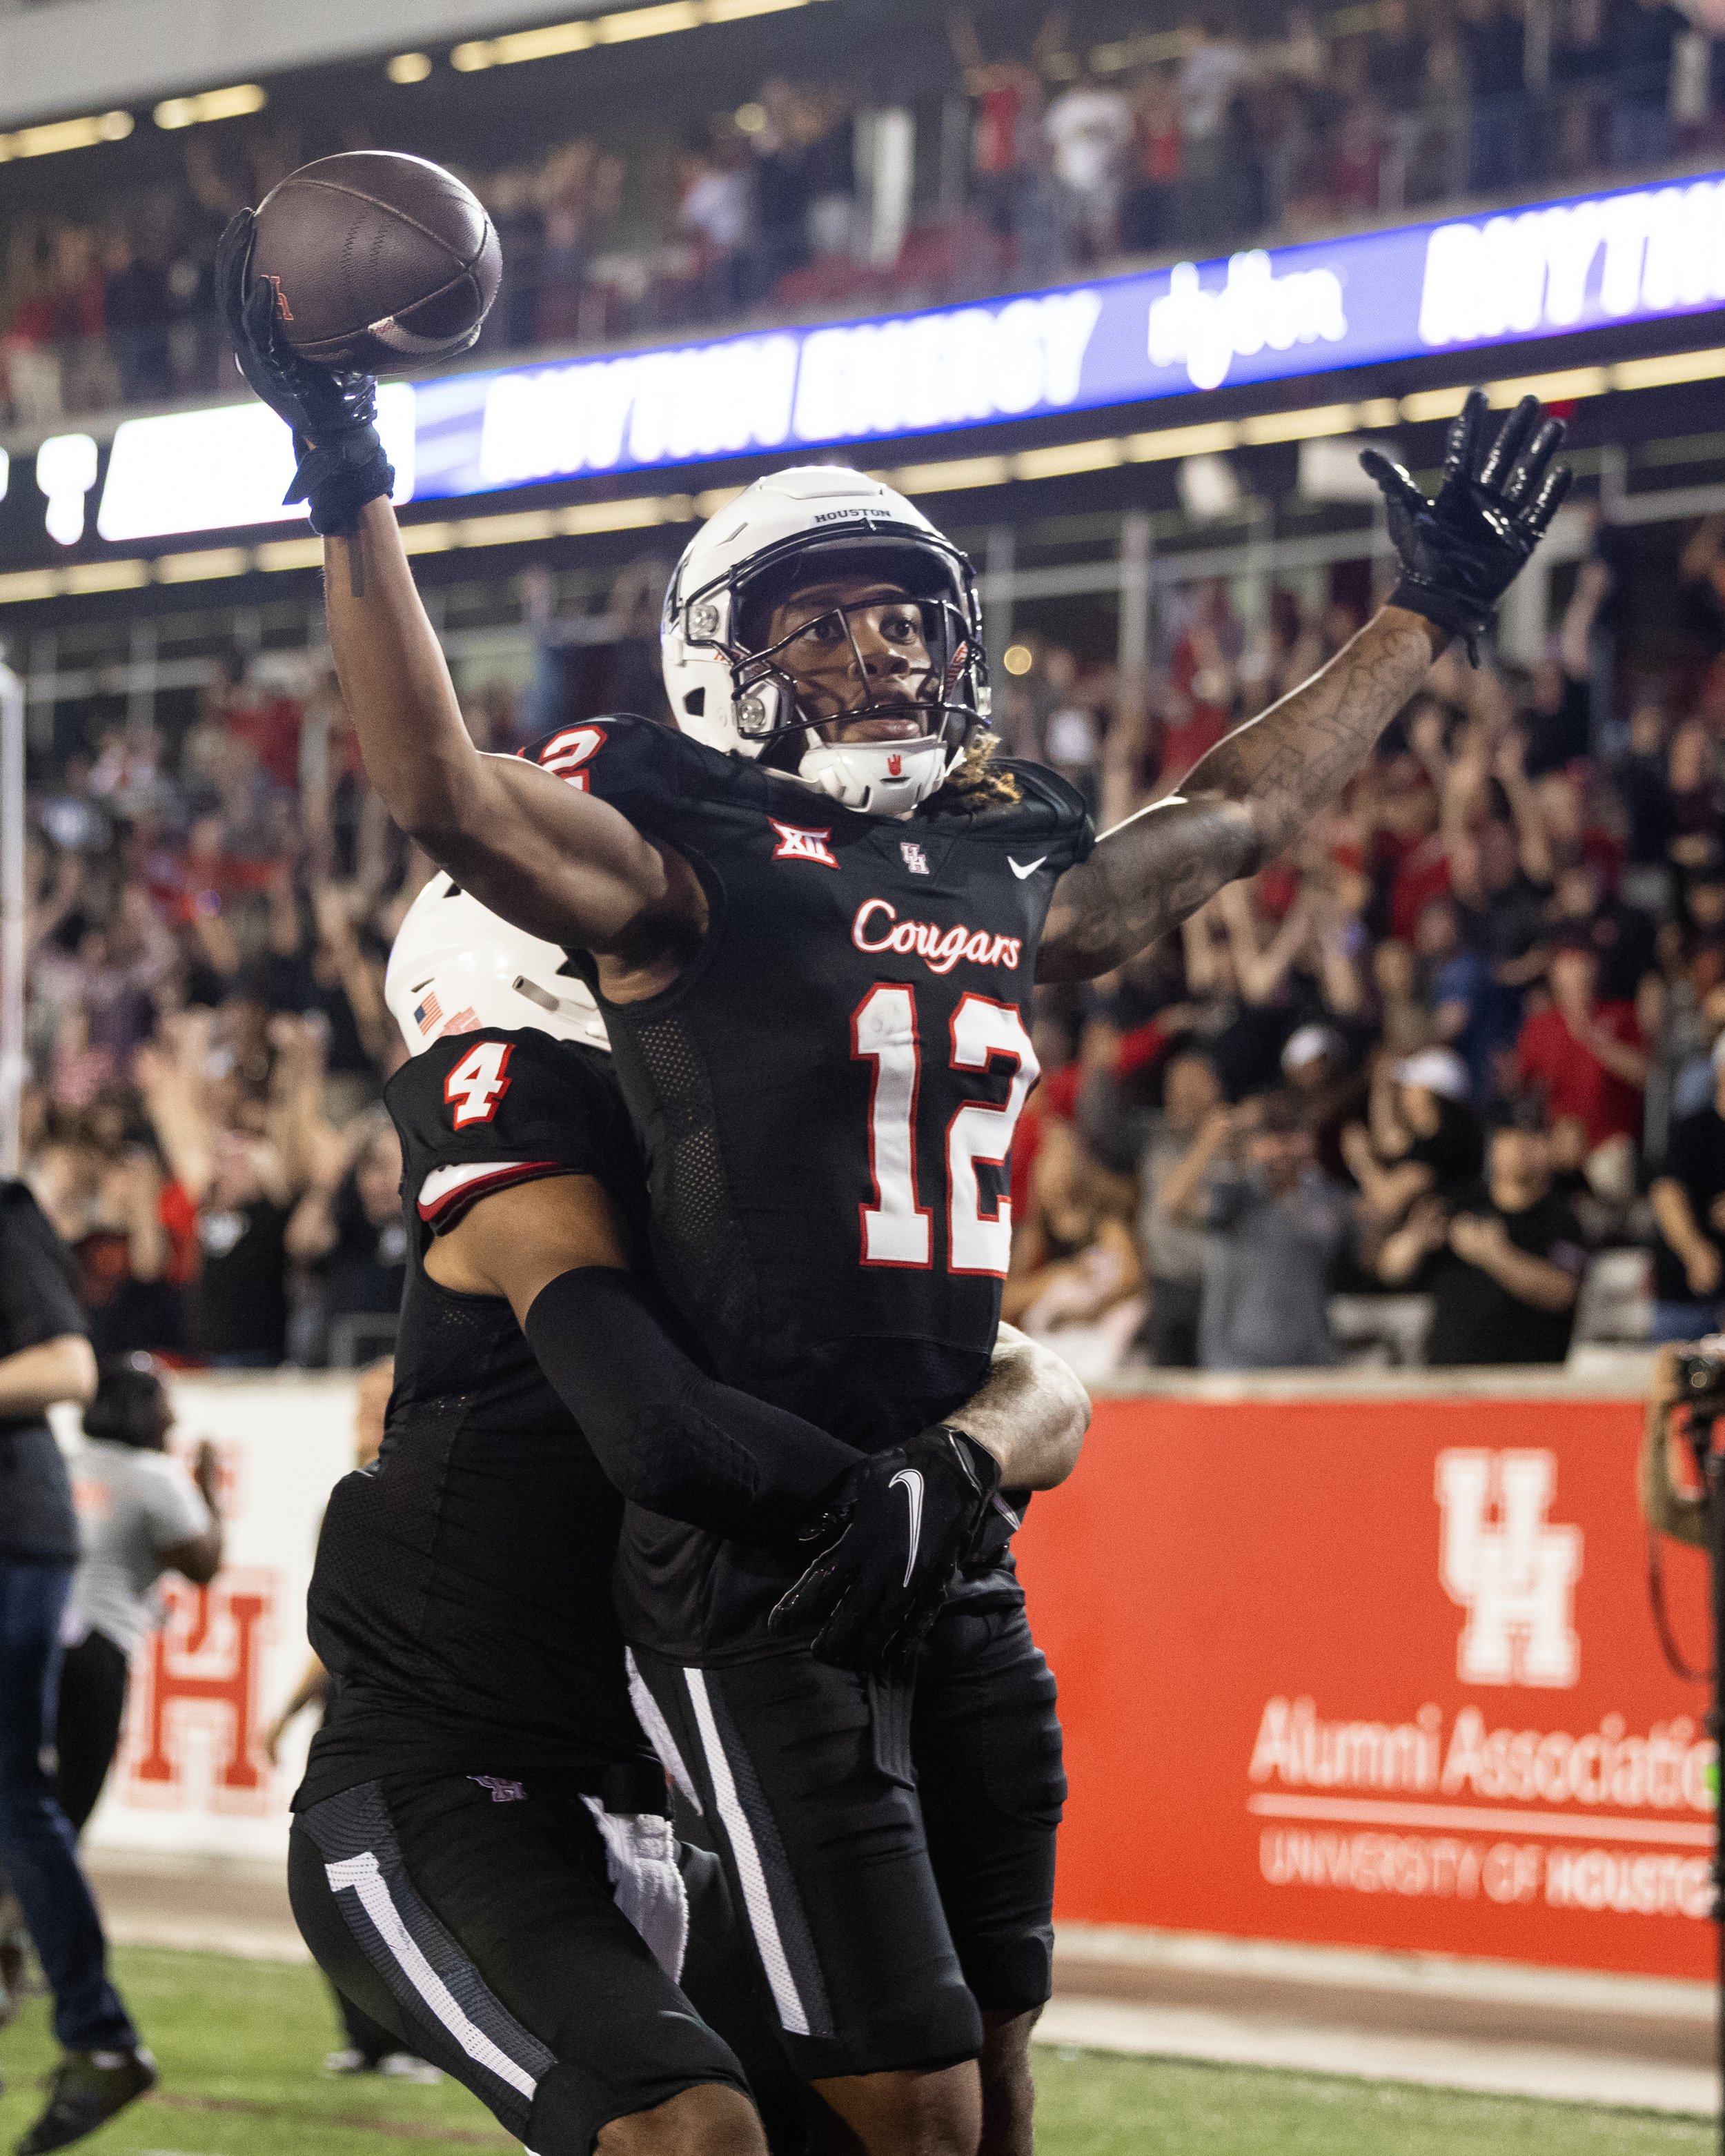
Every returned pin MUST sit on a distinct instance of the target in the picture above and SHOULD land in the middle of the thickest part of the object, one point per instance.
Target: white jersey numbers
(478, 1082)
(565, 753)
(982, 1242)
(895, 1229)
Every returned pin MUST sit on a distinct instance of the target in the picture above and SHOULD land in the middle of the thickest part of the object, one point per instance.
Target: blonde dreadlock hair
(976, 785)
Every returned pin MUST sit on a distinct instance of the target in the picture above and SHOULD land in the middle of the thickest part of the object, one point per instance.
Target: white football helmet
(456, 967)
(729, 689)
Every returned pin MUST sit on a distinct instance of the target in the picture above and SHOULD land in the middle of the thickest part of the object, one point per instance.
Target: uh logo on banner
(1509, 1568)
(1378, 1673)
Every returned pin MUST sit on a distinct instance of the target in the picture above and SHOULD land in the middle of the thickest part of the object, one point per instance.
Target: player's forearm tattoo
(1240, 806)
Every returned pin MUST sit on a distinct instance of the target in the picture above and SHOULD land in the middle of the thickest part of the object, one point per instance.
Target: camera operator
(45, 1357)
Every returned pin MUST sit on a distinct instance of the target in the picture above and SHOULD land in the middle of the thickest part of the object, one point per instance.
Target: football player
(480, 1856)
(813, 914)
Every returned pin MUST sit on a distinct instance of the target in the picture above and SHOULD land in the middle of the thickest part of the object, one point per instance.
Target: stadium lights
(636, 512)
(232, 103)
(409, 67)
(553, 38)
(57, 135)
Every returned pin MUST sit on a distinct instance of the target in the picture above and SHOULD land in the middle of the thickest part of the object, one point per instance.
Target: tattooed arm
(1240, 805)
(1253, 793)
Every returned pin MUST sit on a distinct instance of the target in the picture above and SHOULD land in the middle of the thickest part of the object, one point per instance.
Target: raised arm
(544, 855)
(1243, 804)
(557, 861)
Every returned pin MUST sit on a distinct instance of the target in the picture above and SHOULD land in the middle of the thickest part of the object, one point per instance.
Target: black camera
(1701, 1379)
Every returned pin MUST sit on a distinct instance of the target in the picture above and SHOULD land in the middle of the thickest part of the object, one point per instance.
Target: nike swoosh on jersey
(911, 1478)
(1022, 869)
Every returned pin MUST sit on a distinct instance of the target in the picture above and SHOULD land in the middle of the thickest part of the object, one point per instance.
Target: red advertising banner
(1377, 1673)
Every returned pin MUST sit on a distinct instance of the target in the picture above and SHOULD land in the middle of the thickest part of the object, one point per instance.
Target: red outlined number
(978, 1242)
(895, 1229)
(479, 1082)
(564, 753)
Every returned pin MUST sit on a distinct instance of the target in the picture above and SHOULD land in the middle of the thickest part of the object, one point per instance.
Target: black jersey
(827, 1095)
(462, 1592)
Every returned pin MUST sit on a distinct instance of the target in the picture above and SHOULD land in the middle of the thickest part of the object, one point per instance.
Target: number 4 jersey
(827, 1095)
(462, 1592)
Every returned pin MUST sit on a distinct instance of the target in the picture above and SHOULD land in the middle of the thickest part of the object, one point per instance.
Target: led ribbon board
(216, 471)
(1635, 254)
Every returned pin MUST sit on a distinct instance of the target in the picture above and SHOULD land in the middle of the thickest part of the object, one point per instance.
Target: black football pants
(890, 1851)
(482, 1932)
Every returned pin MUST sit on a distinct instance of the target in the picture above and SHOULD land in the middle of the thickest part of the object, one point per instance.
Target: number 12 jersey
(827, 1095)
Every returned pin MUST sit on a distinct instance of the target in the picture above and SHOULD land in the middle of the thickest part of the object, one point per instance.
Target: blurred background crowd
(1443, 1083)
(1010, 160)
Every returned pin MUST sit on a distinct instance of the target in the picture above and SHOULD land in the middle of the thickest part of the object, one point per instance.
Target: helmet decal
(457, 968)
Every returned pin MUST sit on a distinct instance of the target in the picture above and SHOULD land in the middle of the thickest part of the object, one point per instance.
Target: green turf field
(241, 2043)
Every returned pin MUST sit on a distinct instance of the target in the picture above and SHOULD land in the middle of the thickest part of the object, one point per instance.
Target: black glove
(892, 1533)
(1461, 553)
(331, 411)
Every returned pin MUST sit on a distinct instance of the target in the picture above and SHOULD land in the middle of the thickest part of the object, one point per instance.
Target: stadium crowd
(1198, 139)
(1470, 1034)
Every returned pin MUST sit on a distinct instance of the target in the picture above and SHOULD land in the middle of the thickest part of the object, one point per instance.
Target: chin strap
(858, 774)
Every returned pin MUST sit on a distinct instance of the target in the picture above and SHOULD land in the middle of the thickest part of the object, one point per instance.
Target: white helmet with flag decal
(731, 688)
(456, 967)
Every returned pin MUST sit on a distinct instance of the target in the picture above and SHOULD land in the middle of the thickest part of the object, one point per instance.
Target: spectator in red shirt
(1586, 1057)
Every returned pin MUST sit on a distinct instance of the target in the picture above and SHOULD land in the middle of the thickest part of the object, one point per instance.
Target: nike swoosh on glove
(331, 410)
(893, 1530)
(1460, 551)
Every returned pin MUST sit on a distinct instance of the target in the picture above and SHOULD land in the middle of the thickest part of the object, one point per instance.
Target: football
(380, 261)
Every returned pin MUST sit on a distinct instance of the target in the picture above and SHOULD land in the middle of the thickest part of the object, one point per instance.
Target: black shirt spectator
(1622, 935)
(1501, 908)
(1560, 721)
(365, 1272)
(239, 1300)
(349, 1226)
(1643, 786)
(1455, 1152)
(1479, 1318)
(38, 1303)
(1503, 1266)
(1701, 917)
(1688, 1254)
